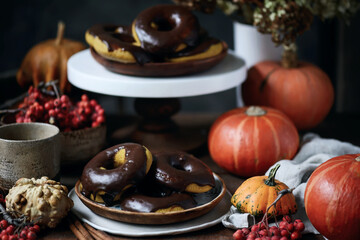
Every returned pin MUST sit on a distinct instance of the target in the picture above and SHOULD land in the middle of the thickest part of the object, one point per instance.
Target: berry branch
(280, 195)
(286, 230)
(45, 103)
(43, 87)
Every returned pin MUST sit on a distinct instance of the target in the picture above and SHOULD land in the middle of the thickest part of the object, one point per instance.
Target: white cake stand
(87, 74)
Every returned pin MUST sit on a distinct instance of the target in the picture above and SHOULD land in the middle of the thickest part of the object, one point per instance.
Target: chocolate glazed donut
(116, 38)
(149, 196)
(162, 29)
(183, 172)
(108, 173)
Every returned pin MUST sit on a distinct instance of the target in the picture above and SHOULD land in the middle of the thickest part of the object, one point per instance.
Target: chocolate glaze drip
(120, 37)
(203, 46)
(176, 25)
(177, 170)
(113, 180)
(143, 203)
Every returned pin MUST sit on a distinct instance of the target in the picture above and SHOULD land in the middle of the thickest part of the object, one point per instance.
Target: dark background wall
(331, 45)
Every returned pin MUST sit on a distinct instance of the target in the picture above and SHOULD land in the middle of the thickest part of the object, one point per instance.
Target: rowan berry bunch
(285, 230)
(60, 111)
(22, 232)
(32, 107)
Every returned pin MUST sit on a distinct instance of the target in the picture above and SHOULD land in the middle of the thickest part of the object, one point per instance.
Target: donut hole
(180, 164)
(163, 24)
(119, 158)
(123, 37)
(107, 166)
(110, 165)
(180, 167)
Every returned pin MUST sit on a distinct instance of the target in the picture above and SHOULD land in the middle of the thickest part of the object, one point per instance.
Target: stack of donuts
(163, 33)
(131, 176)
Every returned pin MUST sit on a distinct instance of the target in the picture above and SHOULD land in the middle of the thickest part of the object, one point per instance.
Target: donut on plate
(151, 197)
(182, 172)
(164, 29)
(169, 185)
(112, 171)
(159, 34)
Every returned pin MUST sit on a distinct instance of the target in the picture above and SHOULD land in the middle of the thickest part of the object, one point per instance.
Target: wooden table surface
(341, 127)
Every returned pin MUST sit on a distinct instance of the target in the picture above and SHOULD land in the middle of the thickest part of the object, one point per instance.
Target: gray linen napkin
(295, 174)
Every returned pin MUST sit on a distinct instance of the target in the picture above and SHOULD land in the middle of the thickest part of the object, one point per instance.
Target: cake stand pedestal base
(182, 139)
(158, 131)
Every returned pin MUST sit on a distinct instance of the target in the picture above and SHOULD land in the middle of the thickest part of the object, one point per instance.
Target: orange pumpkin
(247, 141)
(47, 61)
(332, 198)
(301, 90)
(256, 194)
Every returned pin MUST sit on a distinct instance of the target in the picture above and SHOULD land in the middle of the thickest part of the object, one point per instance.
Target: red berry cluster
(32, 106)
(11, 232)
(90, 112)
(287, 230)
(60, 111)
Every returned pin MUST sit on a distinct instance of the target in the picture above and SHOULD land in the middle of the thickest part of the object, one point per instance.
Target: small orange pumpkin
(47, 61)
(300, 90)
(256, 194)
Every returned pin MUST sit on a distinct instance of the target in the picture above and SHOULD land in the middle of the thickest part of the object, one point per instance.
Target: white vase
(253, 47)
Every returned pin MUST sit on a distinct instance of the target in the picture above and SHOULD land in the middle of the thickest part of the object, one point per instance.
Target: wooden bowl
(81, 145)
(165, 69)
(216, 194)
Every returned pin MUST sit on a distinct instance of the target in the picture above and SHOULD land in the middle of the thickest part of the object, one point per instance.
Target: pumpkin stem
(271, 179)
(255, 111)
(60, 33)
(289, 56)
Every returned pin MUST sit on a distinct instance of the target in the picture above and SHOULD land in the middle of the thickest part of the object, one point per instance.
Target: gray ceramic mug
(28, 150)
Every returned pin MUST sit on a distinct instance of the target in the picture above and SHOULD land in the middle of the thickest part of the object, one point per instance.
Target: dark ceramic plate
(167, 69)
(206, 202)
